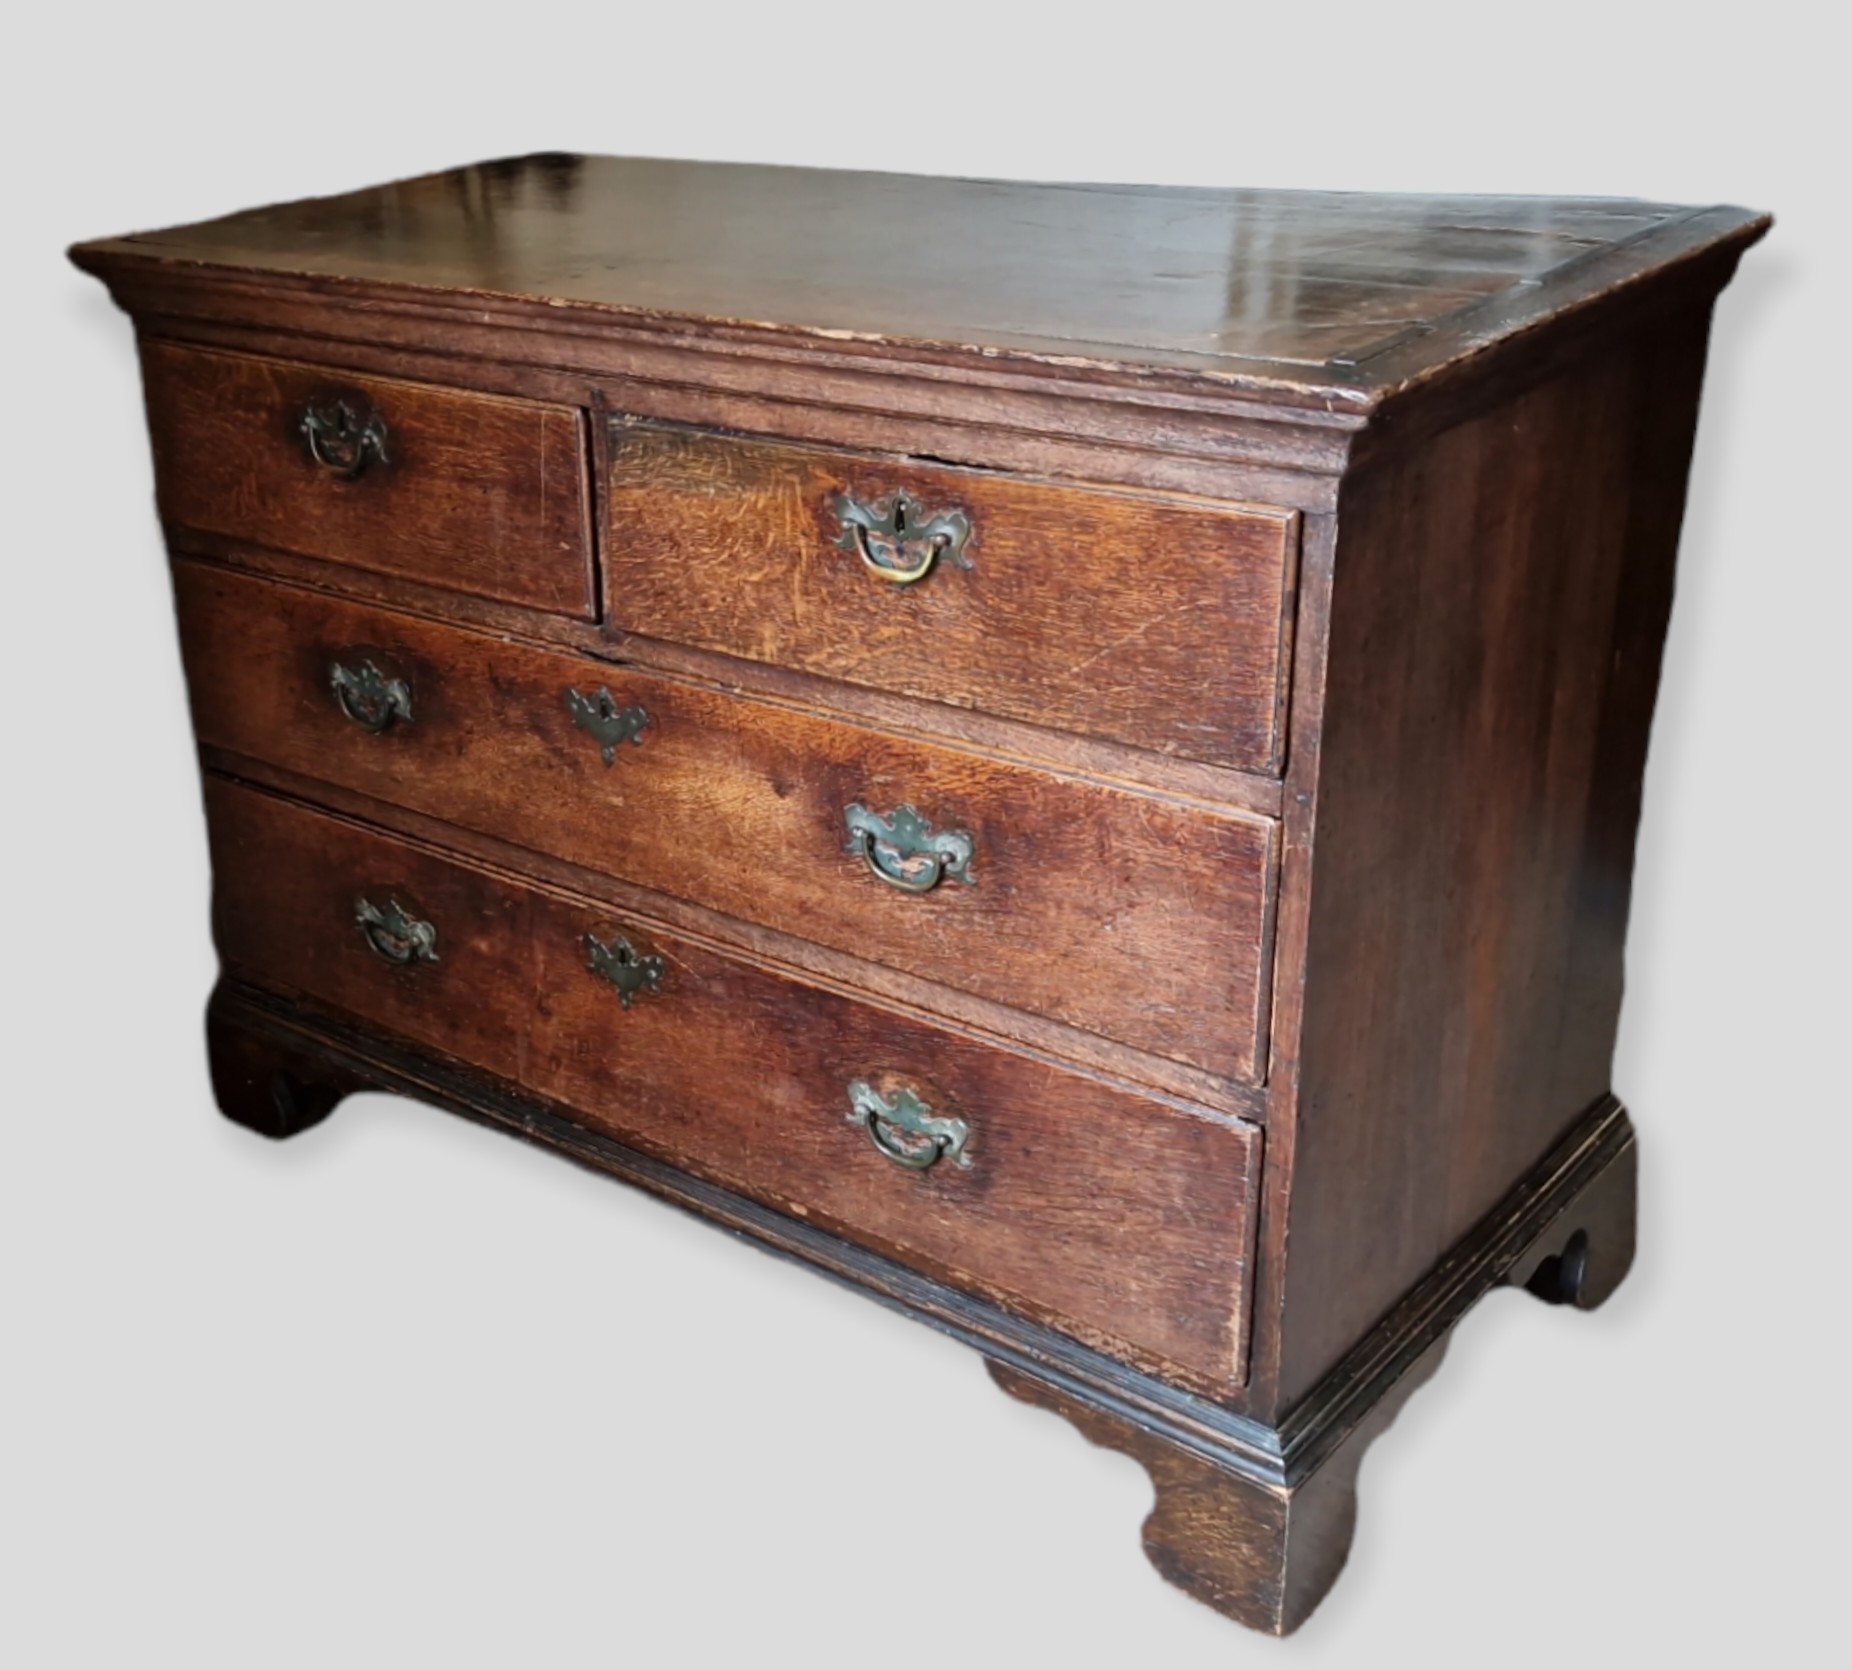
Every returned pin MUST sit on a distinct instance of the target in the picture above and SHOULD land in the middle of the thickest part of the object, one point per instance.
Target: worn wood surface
(1496, 622)
(264, 1033)
(976, 1017)
(1006, 739)
(1253, 1520)
(739, 806)
(1262, 1554)
(1474, 414)
(1262, 1537)
(1154, 622)
(1139, 276)
(1038, 420)
(1076, 756)
(1123, 1220)
(477, 493)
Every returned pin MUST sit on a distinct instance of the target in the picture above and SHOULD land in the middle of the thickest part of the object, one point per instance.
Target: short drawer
(1123, 1221)
(471, 492)
(1153, 621)
(1134, 918)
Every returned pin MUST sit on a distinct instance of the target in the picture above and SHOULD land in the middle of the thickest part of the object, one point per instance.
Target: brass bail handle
(394, 933)
(896, 539)
(905, 851)
(368, 697)
(904, 1129)
(342, 438)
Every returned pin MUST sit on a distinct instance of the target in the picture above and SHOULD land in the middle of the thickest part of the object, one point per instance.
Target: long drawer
(1124, 1221)
(476, 493)
(1144, 618)
(1130, 917)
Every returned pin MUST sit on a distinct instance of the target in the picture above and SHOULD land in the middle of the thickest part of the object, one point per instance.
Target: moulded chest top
(1331, 294)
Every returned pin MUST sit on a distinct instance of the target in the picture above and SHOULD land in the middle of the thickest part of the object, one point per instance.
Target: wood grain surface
(1497, 619)
(1154, 622)
(477, 493)
(1138, 274)
(1132, 917)
(1264, 1555)
(1122, 1220)
(1295, 705)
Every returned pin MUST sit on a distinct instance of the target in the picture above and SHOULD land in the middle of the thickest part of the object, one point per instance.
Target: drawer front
(1152, 621)
(1131, 918)
(1124, 1221)
(472, 492)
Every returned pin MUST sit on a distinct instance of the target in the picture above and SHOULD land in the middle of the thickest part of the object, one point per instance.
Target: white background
(403, 1392)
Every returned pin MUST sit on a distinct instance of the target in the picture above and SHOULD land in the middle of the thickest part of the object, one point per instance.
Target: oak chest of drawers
(1066, 755)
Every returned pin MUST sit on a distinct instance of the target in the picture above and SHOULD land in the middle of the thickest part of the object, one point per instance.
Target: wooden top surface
(1344, 291)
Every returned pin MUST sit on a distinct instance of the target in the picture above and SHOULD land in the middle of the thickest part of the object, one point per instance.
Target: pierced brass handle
(368, 697)
(608, 723)
(343, 439)
(629, 970)
(395, 934)
(896, 539)
(903, 1128)
(903, 850)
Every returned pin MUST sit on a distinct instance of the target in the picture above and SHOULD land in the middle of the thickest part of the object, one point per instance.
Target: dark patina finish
(1310, 557)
